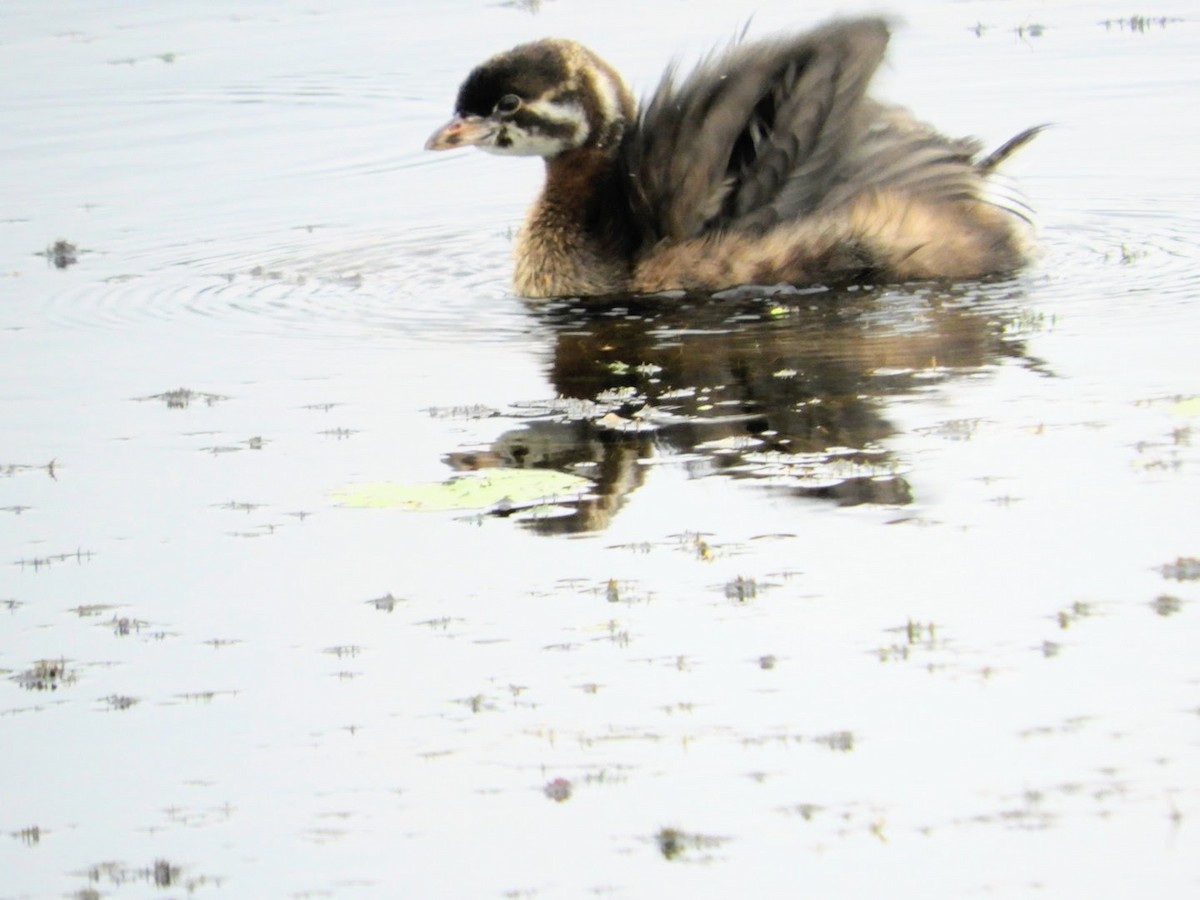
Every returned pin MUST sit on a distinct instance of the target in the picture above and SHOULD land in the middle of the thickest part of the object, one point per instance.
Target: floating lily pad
(511, 488)
(1188, 407)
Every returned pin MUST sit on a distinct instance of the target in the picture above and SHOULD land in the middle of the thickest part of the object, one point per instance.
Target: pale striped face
(545, 126)
(539, 99)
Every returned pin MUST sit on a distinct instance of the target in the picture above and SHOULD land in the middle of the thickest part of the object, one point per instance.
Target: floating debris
(852, 474)
(338, 434)
(161, 873)
(613, 591)
(1186, 568)
(164, 873)
(204, 696)
(741, 589)
(806, 811)
(239, 506)
(30, 836)
(46, 675)
(478, 703)
(260, 531)
(920, 632)
(218, 643)
(1139, 24)
(636, 423)
(9, 469)
(952, 429)
(123, 626)
(673, 843)
(182, 398)
(1079, 610)
(44, 562)
(572, 409)
(918, 637)
(119, 701)
(1166, 605)
(472, 411)
(61, 254)
(530, 6)
(704, 550)
(386, 603)
(87, 610)
(841, 741)
(168, 57)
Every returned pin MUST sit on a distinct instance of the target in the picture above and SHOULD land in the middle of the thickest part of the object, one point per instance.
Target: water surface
(886, 591)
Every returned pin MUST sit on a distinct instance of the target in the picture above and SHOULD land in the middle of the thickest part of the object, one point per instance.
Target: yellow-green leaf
(475, 490)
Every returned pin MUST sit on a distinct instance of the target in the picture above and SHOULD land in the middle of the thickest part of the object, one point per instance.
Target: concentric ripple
(429, 283)
(1146, 247)
(240, 172)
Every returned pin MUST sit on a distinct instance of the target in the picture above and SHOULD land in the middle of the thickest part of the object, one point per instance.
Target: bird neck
(575, 182)
(572, 242)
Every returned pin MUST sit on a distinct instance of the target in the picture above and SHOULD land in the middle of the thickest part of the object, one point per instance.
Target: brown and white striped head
(539, 99)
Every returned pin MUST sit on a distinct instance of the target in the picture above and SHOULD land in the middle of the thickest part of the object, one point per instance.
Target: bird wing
(754, 134)
(899, 154)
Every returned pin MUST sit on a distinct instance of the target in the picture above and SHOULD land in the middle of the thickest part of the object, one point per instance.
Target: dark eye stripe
(571, 96)
(531, 122)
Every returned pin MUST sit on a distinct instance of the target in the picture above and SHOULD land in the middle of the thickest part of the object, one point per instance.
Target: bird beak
(462, 131)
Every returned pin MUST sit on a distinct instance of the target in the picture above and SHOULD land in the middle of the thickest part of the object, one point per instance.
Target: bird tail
(989, 163)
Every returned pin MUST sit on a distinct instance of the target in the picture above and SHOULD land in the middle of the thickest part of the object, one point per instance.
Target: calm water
(890, 592)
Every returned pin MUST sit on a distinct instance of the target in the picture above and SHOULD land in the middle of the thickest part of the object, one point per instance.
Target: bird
(768, 163)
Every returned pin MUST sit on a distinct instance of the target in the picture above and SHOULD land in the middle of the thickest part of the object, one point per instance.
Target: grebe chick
(768, 163)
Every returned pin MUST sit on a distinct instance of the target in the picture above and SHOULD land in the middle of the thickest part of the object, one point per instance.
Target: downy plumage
(768, 163)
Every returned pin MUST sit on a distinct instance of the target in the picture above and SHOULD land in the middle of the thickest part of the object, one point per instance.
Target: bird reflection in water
(786, 389)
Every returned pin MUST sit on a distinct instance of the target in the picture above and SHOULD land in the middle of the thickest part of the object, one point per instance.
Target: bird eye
(508, 104)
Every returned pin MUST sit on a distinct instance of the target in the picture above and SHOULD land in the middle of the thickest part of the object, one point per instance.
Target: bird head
(539, 99)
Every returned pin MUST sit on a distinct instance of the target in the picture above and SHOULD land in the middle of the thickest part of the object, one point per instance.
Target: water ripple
(1150, 244)
(431, 284)
(449, 282)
